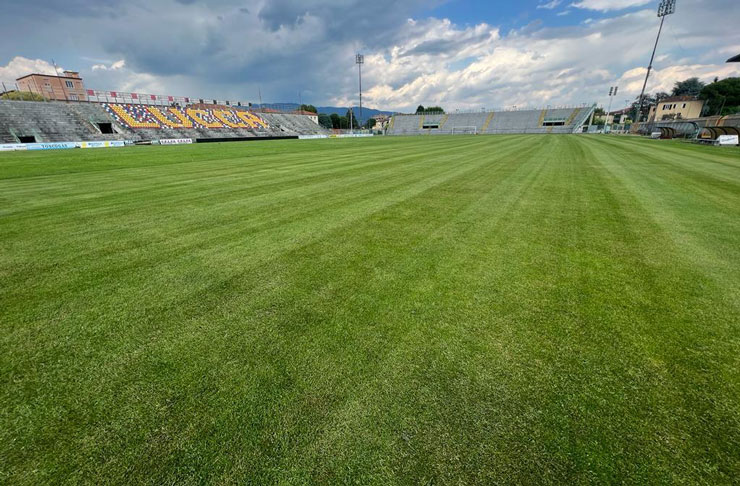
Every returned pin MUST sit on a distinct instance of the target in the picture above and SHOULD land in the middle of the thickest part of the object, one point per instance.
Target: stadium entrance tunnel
(713, 133)
(106, 127)
(27, 139)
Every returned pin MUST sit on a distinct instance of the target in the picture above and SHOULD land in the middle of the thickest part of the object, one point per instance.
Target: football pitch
(429, 310)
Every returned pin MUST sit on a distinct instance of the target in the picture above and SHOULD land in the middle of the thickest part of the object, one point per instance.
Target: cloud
(113, 67)
(550, 5)
(664, 79)
(540, 66)
(220, 49)
(607, 5)
(21, 66)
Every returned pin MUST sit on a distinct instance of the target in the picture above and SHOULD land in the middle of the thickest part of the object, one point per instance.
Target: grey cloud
(444, 46)
(230, 48)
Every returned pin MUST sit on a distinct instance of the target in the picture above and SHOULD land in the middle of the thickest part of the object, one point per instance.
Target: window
(70, 84)
(73, 97)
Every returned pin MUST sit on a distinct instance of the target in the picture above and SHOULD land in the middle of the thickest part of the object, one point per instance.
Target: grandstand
(557, 120)
(28, 122)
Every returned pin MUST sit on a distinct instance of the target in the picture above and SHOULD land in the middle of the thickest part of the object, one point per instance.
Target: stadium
(230, 291)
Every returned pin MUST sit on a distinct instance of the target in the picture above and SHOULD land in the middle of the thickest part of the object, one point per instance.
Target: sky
(458, 54)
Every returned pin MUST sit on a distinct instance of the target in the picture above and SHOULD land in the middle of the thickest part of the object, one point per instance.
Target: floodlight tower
(612, 93)
(360, 60)
(666, 8)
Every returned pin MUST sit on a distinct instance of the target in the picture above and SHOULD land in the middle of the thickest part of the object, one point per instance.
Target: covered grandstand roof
(623, 111)
(679, 98)
(734, 59)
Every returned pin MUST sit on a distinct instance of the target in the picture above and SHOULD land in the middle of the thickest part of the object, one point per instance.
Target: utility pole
(666, 7)
(360, 60)
(59, 79)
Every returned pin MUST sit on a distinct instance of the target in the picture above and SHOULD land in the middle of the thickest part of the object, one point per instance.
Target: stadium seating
(559, 120)
(140, 116)
(61, 122)
(54, 122)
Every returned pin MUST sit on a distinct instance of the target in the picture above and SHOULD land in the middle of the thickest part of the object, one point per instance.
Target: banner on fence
(62, 145)
(175, 141)
(351, 135)
(7, 147)
(52, 145)
(107, 144)
(355, 135)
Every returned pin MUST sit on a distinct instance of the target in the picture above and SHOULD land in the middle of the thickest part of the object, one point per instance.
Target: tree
(22, 96)
(430, 109)
(325, 120)
(688, 87)
(351, 118)
(434, 109)
(648, 101)
(722, 97)
(310, 108)
(343, 123)
(370, 123)
(335, 121)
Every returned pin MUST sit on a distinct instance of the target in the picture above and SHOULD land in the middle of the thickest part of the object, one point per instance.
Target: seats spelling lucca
(141, 116)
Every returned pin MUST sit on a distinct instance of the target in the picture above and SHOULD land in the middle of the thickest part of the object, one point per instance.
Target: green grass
(431, 310)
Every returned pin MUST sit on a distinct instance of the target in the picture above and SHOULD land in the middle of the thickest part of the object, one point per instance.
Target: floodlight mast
(666, 7)
(612, 93)
(360, 60)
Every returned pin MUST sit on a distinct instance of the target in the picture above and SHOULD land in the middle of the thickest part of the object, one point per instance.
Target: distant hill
(367, 113)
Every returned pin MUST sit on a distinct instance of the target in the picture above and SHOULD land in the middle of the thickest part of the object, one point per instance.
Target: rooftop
(679, 98)
(71, 75)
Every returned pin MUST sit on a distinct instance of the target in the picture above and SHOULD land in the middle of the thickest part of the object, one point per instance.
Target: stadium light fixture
(360, 60)
(666, 7)
(613, 90)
